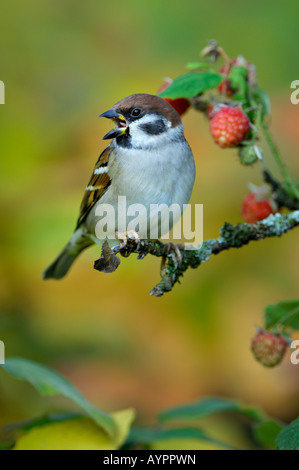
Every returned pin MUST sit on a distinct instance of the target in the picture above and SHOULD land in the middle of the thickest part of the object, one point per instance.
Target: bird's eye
(135, 112)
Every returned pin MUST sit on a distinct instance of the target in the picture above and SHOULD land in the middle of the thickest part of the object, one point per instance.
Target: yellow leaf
(123, 420)
(76, 434)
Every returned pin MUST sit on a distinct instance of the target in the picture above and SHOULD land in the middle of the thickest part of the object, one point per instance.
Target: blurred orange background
(64, 63)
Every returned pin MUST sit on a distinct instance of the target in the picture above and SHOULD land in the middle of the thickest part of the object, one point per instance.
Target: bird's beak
(120, 122)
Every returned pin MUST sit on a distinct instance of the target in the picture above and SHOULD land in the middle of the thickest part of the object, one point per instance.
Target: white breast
(163, 175)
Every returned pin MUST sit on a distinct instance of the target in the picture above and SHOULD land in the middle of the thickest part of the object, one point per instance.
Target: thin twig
(282, 198)
(276, 155)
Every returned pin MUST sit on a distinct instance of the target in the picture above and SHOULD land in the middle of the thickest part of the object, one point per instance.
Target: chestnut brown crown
(148, 104)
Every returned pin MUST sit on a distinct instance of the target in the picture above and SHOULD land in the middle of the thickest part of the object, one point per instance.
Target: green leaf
(288, 439)
(147, 435)
(208, 407)
(266, 433)
(49, 382)
(40, 421)
(6, 445)
(284, 313)
(261, 97)
(291, 187)
(238, 82)
(191, 84)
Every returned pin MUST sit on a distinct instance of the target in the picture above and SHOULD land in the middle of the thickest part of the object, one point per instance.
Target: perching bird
(149, 161)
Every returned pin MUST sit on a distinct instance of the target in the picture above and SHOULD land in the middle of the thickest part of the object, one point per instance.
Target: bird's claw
(177, 255)
(129, 242)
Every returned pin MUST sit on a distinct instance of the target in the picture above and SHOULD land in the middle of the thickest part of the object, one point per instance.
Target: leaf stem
(278, 159)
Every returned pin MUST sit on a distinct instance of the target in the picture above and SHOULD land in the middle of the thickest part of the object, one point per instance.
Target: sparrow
(148, 160)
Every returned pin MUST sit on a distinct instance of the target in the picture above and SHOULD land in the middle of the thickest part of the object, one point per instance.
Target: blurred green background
(64, 63)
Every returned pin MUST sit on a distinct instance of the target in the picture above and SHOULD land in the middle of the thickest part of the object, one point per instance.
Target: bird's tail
(60, 265)
(67, 256)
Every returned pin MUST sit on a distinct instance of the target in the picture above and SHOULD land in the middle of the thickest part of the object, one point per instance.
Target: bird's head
(144, 121)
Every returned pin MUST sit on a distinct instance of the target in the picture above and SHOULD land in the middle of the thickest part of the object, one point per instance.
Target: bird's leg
(130, 242)
(176, 249)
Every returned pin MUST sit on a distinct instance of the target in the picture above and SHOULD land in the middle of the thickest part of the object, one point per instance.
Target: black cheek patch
(153, 128)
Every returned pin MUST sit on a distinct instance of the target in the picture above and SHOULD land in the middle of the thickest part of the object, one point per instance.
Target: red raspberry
(229, 127)
(181, 105)
(255, 209)
(268, 349)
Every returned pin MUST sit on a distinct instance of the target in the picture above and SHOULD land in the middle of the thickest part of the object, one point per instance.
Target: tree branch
(231, 236)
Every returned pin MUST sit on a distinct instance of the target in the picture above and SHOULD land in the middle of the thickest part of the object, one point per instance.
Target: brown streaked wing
(100, 183)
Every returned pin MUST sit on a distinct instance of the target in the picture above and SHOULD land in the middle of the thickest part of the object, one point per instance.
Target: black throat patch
(124, 141)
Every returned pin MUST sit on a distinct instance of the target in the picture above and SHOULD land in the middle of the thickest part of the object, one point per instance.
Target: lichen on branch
(231, 236)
